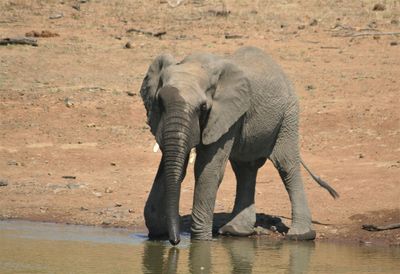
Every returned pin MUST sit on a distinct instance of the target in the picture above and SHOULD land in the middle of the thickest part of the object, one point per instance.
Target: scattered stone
(91, 125)
(379, 7)
(82, 208)
(310, 87)
(301, 27)
(56, 16)
(97, 194)
(118, 204)
(373, 25)
(131, 93)
(314, 22)
(233, 36)
(68, 102)
(73, 186)
(71, 177)
(395, 22)
(76, 6)
(131, 210)
(106, 223)
(18, 41)
(108, 190)
(394, 43)
(128, 45)
(3, 182)
(42, 34)
(13, 163)
(219, 12)
(283, 25)
(360, 156)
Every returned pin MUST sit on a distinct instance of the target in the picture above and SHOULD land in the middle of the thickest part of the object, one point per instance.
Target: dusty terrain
(70, 106)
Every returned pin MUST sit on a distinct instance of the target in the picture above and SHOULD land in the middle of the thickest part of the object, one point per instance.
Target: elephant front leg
(154, 211)
(243, 216)
(209, 170)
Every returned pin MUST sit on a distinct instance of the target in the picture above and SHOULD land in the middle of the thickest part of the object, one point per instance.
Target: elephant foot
(242, 224)
(300, 235)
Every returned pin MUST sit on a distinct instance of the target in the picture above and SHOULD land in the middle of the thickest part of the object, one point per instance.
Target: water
(27, 247)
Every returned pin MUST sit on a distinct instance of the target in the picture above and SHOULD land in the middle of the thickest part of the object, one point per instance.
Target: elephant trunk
(176, 149)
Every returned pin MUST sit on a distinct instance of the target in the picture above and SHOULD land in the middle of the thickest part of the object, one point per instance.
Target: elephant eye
(203, 107)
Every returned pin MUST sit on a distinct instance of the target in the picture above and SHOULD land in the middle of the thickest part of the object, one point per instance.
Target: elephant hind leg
(243, 215)
(286, 158)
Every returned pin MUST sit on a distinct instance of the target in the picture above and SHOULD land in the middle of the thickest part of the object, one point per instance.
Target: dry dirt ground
(70, 106)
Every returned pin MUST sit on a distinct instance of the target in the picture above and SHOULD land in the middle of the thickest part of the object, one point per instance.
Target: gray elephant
(240, 108)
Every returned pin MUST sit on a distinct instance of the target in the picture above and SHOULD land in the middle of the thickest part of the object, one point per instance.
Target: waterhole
(27, 247)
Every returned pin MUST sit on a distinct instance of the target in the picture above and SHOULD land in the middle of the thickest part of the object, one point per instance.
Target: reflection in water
(46, 248)
(209, 257)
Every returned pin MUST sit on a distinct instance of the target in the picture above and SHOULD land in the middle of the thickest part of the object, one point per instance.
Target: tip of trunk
(173, 231)
(175, 241)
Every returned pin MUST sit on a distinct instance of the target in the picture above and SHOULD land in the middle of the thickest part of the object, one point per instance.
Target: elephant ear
(230, 100)
(151, 84)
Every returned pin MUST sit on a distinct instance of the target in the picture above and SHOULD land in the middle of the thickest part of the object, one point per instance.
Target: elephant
(240, 108)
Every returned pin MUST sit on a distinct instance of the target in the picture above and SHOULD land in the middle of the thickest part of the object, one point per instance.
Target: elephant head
(188, 104)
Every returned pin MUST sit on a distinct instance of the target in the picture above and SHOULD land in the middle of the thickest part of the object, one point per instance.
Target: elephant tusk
(192, 155)
(156, 147)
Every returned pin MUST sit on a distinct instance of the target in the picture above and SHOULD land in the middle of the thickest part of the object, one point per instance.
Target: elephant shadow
(265, 221)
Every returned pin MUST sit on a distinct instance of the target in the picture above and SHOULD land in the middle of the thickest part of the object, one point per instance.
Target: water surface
(27, 247)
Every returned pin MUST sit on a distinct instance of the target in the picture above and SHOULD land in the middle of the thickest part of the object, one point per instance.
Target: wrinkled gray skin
(240, 108)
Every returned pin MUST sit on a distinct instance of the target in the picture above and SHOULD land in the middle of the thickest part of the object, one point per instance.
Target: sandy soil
(70, 107)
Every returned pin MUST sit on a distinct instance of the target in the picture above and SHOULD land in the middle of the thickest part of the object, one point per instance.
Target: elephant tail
(321, 182)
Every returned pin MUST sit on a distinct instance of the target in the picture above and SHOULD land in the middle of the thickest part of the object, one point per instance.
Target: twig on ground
(158, 34)
(380, 228)
(18, 41)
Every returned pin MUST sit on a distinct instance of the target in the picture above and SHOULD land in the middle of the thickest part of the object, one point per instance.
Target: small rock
(91, 125)
(56, 16)
(360, 156)
(83, 208)
(77, 6)
(68, 102)
(106, 223)
(394, 43)
(131, 210)
(3, 182)
(128, 45)
(314, 22)
(113, 164)
(273, 228)
(395, 22)
(97, 194)
(301, 27)
(108, 190)
(310, 87)
(13, 163)
(130, 93)
(373, 25)
(118, 204)
(73, 186)
(379, 7)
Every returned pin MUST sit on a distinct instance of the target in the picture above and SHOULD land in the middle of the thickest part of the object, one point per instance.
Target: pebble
(131, 210)
(68, 102)
(3, 182)
(128, 45)
(394, 43)
(106, 223)
(118, 204)
(379, 7)
(56, 16)
(97, 194)
(108, 190)
(314, 22)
